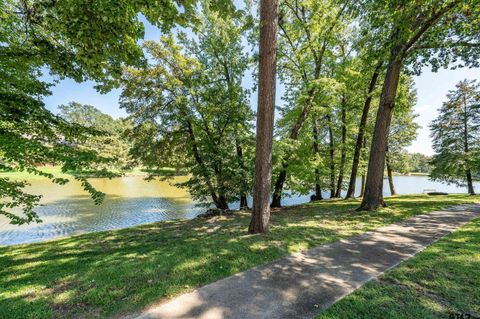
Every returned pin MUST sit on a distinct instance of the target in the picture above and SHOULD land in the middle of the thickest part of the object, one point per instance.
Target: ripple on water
(130, 201)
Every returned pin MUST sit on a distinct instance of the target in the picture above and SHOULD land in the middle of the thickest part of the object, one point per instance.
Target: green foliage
(403, 129)
(420, 163)
(76, 39)
(110, 141)
(422, 32)
(312, 38)
(456, 135)
(190, 112)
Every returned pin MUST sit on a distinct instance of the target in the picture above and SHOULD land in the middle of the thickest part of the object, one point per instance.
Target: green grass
(440, 282)
(116, 272)
(17, 175)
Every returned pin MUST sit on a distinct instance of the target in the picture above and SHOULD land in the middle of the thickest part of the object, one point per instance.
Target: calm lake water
(68, 210)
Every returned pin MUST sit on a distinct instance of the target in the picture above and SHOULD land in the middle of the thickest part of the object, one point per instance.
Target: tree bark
(280, 181)
(390, 176)
(243, 202)
(278, 189)
(243, 195)
(361, 132)
(471, 191)
(318, 61)
(219, 201)
(364, 178)
(343, 150)
(332, 156)
(265, 116)
(362, 190)
(466, 146)
(373, 197)
(316, 150)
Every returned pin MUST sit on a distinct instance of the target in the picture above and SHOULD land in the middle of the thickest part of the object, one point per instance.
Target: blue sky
(431, 89)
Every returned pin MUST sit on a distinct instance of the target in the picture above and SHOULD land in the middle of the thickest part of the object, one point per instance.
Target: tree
(189, 110)
(456, 137)
(80, 40)
(420, 163)
(403, 131)
(417, 33)
(360, 141)
(306, 38)
(265, 116)
(110, 142)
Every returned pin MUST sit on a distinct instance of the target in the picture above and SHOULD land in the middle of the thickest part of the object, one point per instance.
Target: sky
(432, 89)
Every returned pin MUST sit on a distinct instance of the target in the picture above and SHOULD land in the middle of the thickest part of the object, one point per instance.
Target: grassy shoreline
(57, 172)
(117, 272)
(439, 282)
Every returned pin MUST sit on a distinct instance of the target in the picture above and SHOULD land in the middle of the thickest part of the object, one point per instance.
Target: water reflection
(68, 210)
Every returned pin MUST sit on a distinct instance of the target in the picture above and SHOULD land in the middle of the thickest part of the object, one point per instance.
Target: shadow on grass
(438, 282)
(109, 273)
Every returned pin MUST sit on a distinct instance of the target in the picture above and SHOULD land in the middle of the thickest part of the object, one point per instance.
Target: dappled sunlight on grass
(441, 280)
(110, 273)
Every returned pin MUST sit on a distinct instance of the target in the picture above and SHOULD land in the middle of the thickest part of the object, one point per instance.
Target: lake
(68, 210)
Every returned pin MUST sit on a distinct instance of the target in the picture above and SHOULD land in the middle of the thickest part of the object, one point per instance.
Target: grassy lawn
(55, 170)
(116, 272)
(443, 281)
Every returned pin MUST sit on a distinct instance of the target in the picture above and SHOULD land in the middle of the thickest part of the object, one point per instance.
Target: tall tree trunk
(390, 176)
(332, 157)
(265, 116)
(471, 191)
(278, 189)
(243, 202)
(217, 200)
(222, 202)
(316, 150)
(466, 146)
(280, 181)
(364, 178)
(362, 190)
(361, 132)
(373, 198)
(243, 195)
(341, 171)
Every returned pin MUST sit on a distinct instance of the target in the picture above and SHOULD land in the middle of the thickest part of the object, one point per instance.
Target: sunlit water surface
(68, 210)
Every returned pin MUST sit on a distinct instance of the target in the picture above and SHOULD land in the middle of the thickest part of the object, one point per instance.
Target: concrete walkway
(301, 285)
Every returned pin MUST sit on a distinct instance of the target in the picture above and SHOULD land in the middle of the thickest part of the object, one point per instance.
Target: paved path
(301, 285)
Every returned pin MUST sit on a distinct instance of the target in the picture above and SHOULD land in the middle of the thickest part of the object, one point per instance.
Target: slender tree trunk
(282, 176)
(217, 200)
(278, 189)
(373, 198)
(468, 172)
(341, 171)
(390, 176)
(219, 176)
(265, 116)
(361, 132)
(316, 150)
(364, 178)
(362, 191)
(222, 202)
(332, 157)
(471, 191)
(243, 195)
(243, 202)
